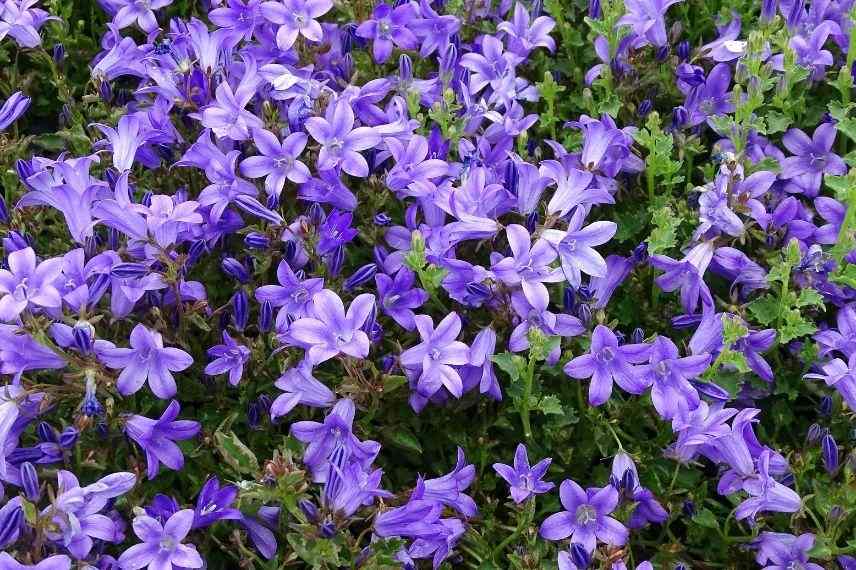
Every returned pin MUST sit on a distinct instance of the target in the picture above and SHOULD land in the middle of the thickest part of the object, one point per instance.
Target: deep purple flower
(448, 490)
(161, 547)
(586, 517)
(147, 360)
(158, 437)
(340, 141)
(436, 355)
(389, 26)
(398, 296)
(523, 480)
(668, 375)
(335, 232)
(214, 503)
(228, 357)
(606, 362)
(329, 331)
(278, 161)
(813, 157)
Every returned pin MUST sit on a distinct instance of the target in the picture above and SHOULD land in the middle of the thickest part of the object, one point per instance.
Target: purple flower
(529, 267)
(147, 360)
(57, 562)
(398, 296)
(841, 376)
(575, 247)
(334, 435)
(299, 386)
(161, 547)
(340, 141)
(647, 19)
(479, 372)
(238, 18)
(843, 339)
(766, 494)
(625, 479)
(214, 503)
(335, 232)
(22, 21)
(27, 284)
(228, 357)
(572, 188)
(586, 517)
(779, 551)
(813, 157)
(329, 331)
(277, 162)
(293, 295)
(523, 480)
(142, 13)
(13, 107)
(686, 275)
(435, 30)
(491, 66)
(668, 375)
(296, 17)
(436, 355)
(412, 163)
(228, 118)
(158, 437)
(526, 34)
(711, 98)
(124, 141)
(607, 362)
(448, 490)
(389, 26)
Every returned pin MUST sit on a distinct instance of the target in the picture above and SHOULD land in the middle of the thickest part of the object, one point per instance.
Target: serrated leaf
(510, 363)
(765, 310)
(809, 298)
(550, 405)
(236, 453)
(664, 235)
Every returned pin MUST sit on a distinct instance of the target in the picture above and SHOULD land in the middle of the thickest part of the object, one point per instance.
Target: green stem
(527, 394)
(526, 517)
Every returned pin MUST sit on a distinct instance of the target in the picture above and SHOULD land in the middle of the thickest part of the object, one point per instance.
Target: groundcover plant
(477, 284)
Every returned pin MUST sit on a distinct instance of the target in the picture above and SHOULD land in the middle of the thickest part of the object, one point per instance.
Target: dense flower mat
(509, 284)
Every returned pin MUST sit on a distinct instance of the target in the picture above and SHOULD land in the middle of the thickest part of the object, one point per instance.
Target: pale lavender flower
(436, 355)
(526, 34)
(647, 19)
(340, 141)
(228, 118)
(278, 161)
(57, 562)
(299, 386)
(13, 107)
(524, 481)
(780, 551)
(124, 140)
(141, 12)
(813, 157)
(293, 295)
(147, 360)
(228, 357)
(686, 275)
(329, 331)
(28, 284)
(668, 375)
(575, 247)
(529, 267)
(161, 547)
(448, 489)
(586, 517)
(21, 20)
(296, 17)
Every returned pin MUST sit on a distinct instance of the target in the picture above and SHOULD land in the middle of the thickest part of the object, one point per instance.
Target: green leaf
(550, 405)
(664, 235)
(705, 517)
(401, 437)
(809, 298)
(511, 364)
(765, 310)
(391, 383)
(236, 453)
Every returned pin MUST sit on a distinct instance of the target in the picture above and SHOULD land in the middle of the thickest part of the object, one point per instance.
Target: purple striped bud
(265, 402)
(532, 221)
(796, 14)
(380, 254)
(84, 337)
(346, 37)
(68, 437)
(327, 530)
(266, 317)
(146, 198)
(814, 434)
(4, 211)
(645, 107)
(594, 10)
(272, 201)
(712, 390)
(382, 219)
(477, 291)
(253, 415)
(584, 314)
(255, 240)
(11, 519)
(105, 91)
(825, 407)
(335, 260)
(254, 207)
(662, 53)
(449, 61)
(316, 214)
(689, 509)
(830, 453)
(684, 50)
(113, 238)
(405, 68)
(46, 433)
(30, 481)
(196, 250)
(235, 269)
(580, 556)
(24, 169)
(240, 309)
(98, 288)
(679, 117)
(768, 10)
(512, 177)
(638, 336)
(309, 509)
(411, 217)
(640, 253)
(14, 241)
(569, 300)
(360, 276)
(22, 454)
(129, 270)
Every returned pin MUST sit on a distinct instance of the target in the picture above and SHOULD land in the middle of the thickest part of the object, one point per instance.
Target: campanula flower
(340, 141)
(398, 296)
(813, 157)
(647, 19)
(526, 33)
(329, 331)
(13, 107)
(228, 118)
(524, 481)
(214, 503)
(625, 479)
(299, 386)
(436, 355)
(781, 550)
(529, 267)
(606, 362)
(293, 294)
(161, 546)
(123, 140)
(141, 13)
(157, 438)
(686, 275)
(586, 517)
(296, 17)
(449, 489)
(388, 26)
(228, 357)
(147, 360)
(668, 375)
(57, 562)
(278, 161)
(28, 284)
(575, 247)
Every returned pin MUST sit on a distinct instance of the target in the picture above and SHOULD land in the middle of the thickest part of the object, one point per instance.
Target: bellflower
(131, 11)
(647, 19)
(296, 17)
(842, 339)
(778, 550)
(28, 284)
(214, 503)
(398, 296)
(606, 362)
(228, 118)
(525, 33)
(329, 331)
(529, 267)
(575, 247)
(625, 479)
(57, 562)
(436, 355)
(161, 546)
(299, 386)
(586, 517)
(686, 275)
(449, 489)
(157, 438)
(228, 357)
(388, 26)
(147, 360)
(293, 295)
(278, 161)
(13, 107)
(813, 157)
(524, 481)
(668, 375)
(340, 141)
(841, 376)
(433, 29)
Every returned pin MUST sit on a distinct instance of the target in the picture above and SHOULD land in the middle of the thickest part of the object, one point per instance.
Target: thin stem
(527, 394)
(526, 517)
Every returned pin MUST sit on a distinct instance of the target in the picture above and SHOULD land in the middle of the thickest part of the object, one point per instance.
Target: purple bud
(196, 250)
(83, 337)
(254, 207)
(11, 520)
(30, 481)
(146, 198)
(449, 61)
(684, 50)
(346, 37)
(380, 254)
(255, 240)
(387, 363)
(4, 211)
(679, 117)
(309, 509)
(265, 403)
(585, 294)
(360, 276)
(478, 291)
(68, 437)
(105, 92)
(235, 269)
(382, 219)
(796, 14)
(830, 453)
(327, 529)
(689, 508)
(512, 177)
(411, 217)
(253, 415)
(825, 407)
(662, 53)
(711, 390)
(768, 10)
(620, 337)
(14, 241)
(594, 12)
(240, 309)
(272, 201)
(814, 434)
(129, 270)
(405, 68)
(569, 300)
(584, 314)
(265, 317)
(98, 287)
(532, 222)
(645, 107)
(316, 214)
(580, 556)
(46, 433)
(628, 480)
(640, 253)
(113, 238)
(24, 169)
(637, 336)
(335, 260)
(836, 513)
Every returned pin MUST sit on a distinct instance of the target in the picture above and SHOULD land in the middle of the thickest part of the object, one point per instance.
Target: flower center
(662, 368)
(435, 354)
(606, 354)
(167, 543)
(586, 515)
